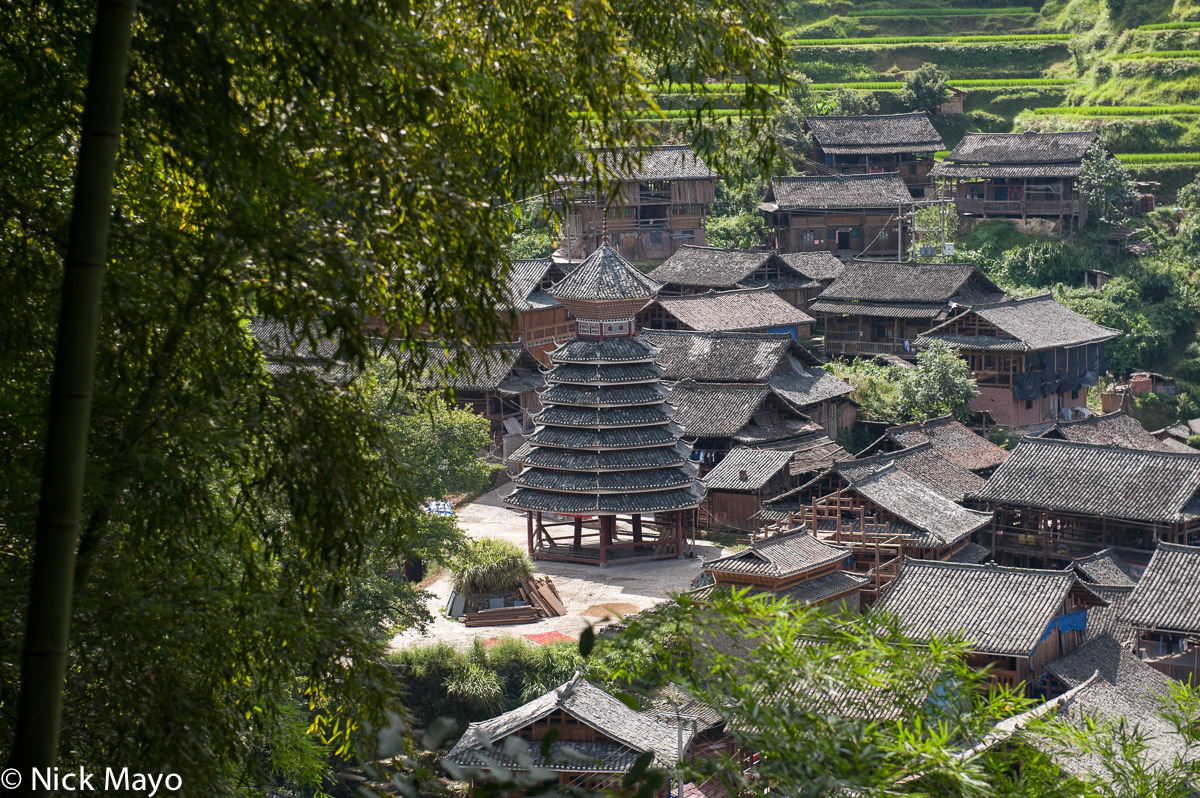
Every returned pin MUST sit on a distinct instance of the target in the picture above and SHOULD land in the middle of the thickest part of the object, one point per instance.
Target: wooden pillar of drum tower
(529, 529)
(606, 537)
(637, 528)
(578, 532)
(679, 533)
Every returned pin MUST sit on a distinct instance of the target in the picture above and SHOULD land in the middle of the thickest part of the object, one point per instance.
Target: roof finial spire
(605, 238)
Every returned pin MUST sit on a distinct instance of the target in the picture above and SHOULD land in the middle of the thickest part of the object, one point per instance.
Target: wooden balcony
(839, 344)
(1018, 207)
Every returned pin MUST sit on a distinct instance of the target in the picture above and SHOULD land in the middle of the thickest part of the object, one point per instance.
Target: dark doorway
(843, 239)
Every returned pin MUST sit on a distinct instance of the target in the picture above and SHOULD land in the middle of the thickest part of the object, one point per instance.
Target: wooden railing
(857, 346)
(1018, 207)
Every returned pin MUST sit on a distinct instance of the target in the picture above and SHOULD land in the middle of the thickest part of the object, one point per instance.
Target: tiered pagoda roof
(605, 442)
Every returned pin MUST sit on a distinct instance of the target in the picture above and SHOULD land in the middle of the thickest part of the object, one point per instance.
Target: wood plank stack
(502, 616)
(542, 594)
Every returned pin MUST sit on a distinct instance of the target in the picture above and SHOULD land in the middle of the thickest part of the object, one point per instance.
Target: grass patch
(1016, 38)
(1155, 54)
(1158, 157)
(684, 113)
(1171, 26)
(1119, 110)
(491, 565)
(942, 12)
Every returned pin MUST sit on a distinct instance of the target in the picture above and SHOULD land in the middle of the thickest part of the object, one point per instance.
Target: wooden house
(651, 208)
(1164, 611)
(717, 417)
(738, 484)
(1033, 359)
(790, 371)
(1018, 175)
(1015, 620)
(796, 566)
(879, 308)
(745, 310)
(850, 215)
(604, 446)
(820, 267)
(698, 270)
(288, 350)
(1057, 501)
(499, 383)
(541, 323)
(596, 740)
(1110, 429)
(949, 438)
(855, 145)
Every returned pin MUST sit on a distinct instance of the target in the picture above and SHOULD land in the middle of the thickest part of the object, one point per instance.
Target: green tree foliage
(535, 234)
(925, 89)
(737, 231)
(322, 166)
(847, 102)
(1106, 185)
(940, 385)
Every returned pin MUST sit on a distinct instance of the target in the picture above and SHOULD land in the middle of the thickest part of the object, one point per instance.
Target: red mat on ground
(546, 638)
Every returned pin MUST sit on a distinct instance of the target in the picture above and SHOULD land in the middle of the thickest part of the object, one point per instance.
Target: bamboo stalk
(47, 631)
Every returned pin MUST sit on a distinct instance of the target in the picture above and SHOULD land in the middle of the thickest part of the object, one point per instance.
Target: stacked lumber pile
(502, 616)
(543, 595)
(541, 601)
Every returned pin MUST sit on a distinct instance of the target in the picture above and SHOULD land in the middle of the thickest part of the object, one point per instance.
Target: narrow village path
(589, 593)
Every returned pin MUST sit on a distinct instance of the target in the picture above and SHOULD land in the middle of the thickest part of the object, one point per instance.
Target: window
(884, 234)
(1074, 394)
(831, 233)
(856, 232)
(656, 237)
(1028, 404)
(912, 168)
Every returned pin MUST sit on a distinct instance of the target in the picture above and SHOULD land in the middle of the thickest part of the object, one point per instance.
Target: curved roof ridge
(1106, 446)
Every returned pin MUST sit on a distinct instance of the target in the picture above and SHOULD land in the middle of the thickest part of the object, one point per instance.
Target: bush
(1188, 370)
(925, 89)
(491, 565)
(737, 231)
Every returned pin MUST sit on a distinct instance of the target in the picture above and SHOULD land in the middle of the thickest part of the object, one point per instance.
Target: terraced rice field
(1121, 110)
(1158, 157)
(1155, 54)
(942, 12)
(968, 83)
(878, 41)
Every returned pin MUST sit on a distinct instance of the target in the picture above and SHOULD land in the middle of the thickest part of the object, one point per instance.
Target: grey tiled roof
(719, 357)
(924, 463)
(615, 374)
(657, 457)
(1022, 148)
(760, 466)
(751, 309)
(952, 440)
(1038, 322)
(1104, 567)
(809, 387)
(821, 192)
(712, 267)
(602, 439)
(604, 275)
(715, 410)
(779, 557)
(525, 275)
(941, 521)
(608, 395)
(606, 503)
(863, 281)
(636, 416)
(1110, 620)
(670, 162)
(589, 705)
(1167, 597)
(971, 553)
(1096, 480)
(1125, 690)
(613, 350)
(998, 610)
(815, 265)
(1113, 429)
(291, 349)
(481, 370)
(823, 587)
(849, 135)
(891, 310)
(607, 481)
